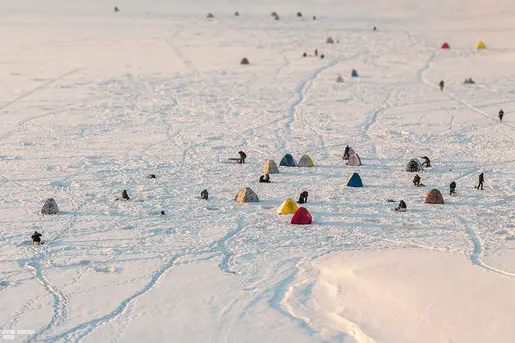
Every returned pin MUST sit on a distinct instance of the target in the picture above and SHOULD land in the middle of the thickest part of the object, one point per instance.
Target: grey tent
(245, 61)
(210, 16)
(329, 40)
(305, 161)
(270, 167)
(50, 207)
(414, 165)
(246, 195)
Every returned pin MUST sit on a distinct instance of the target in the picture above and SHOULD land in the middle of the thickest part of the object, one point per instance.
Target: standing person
(452, 189)
(481, 180)
(416, 180)
(441, 84)
(501, 114)
(36, 238)
(316, 52)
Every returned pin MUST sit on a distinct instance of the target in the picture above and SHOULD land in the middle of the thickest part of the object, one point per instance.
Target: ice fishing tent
(210, 16)
(270, 167)
(244, 61)
(445, 45)
(302, 217)
(414, 165)
(480, 45)
(246, 195)
(50, 207)
(354, 73)
(354, 181)
(236, 14)
(305, 161)
(354, 160)
(339, 78)
(434, 196)
(329, 40)
(299, 14)
(288, 161)
(287, 207)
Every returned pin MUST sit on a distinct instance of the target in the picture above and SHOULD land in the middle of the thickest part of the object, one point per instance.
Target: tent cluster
(289, 161)
(479, 46)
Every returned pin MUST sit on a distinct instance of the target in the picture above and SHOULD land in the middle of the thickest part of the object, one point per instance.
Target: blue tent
(288, 161)
(354, 73)
(354, 181)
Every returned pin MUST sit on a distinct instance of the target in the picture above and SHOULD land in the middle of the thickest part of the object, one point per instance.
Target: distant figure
(304, 55)
(452, 189)
(402, 206)
(314, 18)
(316, 52)
(151, 176)
(116, 9)
(426, 162)
(416, 180)
(204, 194)
(162, 213)
(124, 196)
(322, 56)
(441, 84)
(481, 180)
(236, 14)
(264, 178)
(375, 28)
(243, 157)
(303, 198)
(36, 238)
(501, 114)
(346, 153)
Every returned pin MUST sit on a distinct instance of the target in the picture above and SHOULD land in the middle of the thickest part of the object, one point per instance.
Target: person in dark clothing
(116, 9)
(204, 194)
(416, 180)
(36, 238)
(375, 28)
(426, 162)
(441, 84)
(346, 153)
(316, 52)
(481, 180)
(304, 55)
(265, 178)
(322, 56)
(452, 189)
(303, 198)
(402, 206)
(501, 114)
(243, 157)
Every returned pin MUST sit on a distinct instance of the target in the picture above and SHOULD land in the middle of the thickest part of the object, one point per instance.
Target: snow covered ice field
(92, 101)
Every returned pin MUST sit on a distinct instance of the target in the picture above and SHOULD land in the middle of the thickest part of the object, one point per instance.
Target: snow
(92, 102)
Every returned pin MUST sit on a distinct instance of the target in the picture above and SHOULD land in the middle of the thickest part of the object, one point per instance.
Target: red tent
(445, 45)
(301, 217)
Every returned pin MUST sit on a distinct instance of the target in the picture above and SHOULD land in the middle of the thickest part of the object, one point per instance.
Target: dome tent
(434, 196)
(246, 195)
(305, 161)
(302, 217)
(287, 207)
(288, 161)
(414, 165)
(270, 167)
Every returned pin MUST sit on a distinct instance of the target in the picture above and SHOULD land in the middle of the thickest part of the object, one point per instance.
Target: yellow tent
(480, 45)
(287, 207)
